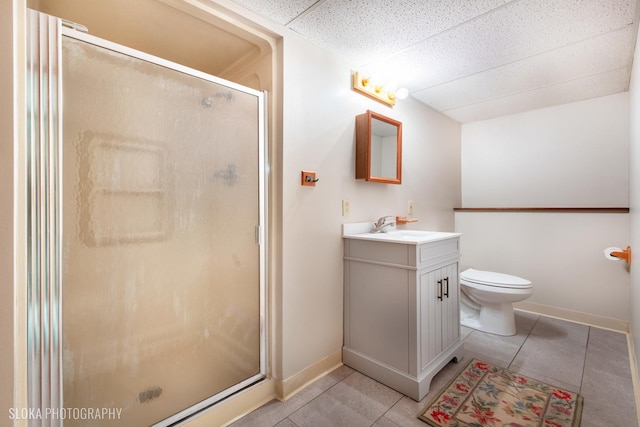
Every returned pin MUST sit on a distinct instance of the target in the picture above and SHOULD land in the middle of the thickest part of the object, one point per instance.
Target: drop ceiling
(475, 59)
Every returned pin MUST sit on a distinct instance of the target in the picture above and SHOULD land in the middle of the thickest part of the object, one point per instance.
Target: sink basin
(397, 236)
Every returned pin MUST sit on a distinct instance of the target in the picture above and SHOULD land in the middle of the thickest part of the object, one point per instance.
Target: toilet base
(492, 318)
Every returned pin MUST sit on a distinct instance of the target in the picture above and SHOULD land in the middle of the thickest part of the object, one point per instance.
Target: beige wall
(573, 155)
(161, 30)
(319, 135)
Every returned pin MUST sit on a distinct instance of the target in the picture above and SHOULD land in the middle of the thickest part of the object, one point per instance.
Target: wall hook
(309, 178)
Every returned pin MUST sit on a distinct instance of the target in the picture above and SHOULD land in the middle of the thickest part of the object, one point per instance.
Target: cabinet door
(450, 307)
(439, 312)
(430, 316)
(377, 313)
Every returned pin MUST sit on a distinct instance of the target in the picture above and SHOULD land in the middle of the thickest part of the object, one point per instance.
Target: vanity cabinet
(401, 312)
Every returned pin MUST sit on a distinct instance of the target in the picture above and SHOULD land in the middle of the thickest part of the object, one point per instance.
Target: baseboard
(634, 374)
(573, 316)
(287, 388)
(228, 411)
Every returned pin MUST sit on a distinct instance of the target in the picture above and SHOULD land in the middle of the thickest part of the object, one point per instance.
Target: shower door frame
(45, 374)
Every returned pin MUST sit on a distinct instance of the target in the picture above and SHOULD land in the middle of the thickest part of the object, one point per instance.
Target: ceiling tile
(364, 30)
(463, 56)
(281, 11)
(576, 90)
(513, 32)
(592, 56)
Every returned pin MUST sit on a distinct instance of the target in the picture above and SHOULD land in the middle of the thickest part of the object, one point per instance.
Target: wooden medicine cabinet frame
(370, 157)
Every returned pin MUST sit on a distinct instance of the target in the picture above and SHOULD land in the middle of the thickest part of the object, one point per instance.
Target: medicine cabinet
(378, 148)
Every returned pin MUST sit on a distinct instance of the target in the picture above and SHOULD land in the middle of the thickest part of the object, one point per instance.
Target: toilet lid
(490, 278)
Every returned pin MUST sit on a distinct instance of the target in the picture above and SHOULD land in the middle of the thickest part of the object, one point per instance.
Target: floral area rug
(487, 395)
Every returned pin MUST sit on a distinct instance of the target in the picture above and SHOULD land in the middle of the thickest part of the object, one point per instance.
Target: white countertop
(362, 231)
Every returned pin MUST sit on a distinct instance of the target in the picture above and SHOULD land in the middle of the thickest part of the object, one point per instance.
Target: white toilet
(486, 300)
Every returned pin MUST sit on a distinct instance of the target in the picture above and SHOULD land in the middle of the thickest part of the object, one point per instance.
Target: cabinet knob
(446, 292)
(440, 290)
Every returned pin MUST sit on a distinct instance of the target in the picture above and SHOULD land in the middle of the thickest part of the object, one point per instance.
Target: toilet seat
(490, 278)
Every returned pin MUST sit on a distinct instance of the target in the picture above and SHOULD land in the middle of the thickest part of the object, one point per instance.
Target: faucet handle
(401, 220)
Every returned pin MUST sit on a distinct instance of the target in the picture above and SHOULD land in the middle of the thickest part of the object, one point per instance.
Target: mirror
(378, 148)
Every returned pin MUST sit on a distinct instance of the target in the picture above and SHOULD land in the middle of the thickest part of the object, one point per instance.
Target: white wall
(634, 194)
(319, 135)
(573, 155)
(561, 253)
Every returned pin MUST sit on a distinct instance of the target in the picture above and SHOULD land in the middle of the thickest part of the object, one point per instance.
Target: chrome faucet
(382, 226)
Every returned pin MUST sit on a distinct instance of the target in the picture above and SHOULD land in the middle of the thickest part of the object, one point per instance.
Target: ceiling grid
(474, 60)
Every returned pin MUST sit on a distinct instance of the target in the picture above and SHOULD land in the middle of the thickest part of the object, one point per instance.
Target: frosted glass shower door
(162, 281)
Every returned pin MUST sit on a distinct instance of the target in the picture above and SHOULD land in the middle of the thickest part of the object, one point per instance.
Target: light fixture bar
(364, 86)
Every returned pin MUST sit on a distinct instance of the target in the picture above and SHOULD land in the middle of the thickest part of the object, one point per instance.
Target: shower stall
(146, 204)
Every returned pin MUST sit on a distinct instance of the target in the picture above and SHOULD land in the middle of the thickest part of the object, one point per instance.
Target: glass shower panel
(161, 288)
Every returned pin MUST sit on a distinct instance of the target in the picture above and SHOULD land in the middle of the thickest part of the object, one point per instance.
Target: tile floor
(589, 360)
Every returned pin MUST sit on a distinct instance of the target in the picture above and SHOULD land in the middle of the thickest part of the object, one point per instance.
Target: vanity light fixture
(377, 90)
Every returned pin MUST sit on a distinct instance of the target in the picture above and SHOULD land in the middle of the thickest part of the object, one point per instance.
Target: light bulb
(402, 93)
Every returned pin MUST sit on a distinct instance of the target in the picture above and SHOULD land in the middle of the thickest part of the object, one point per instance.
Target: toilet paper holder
(625, 254)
